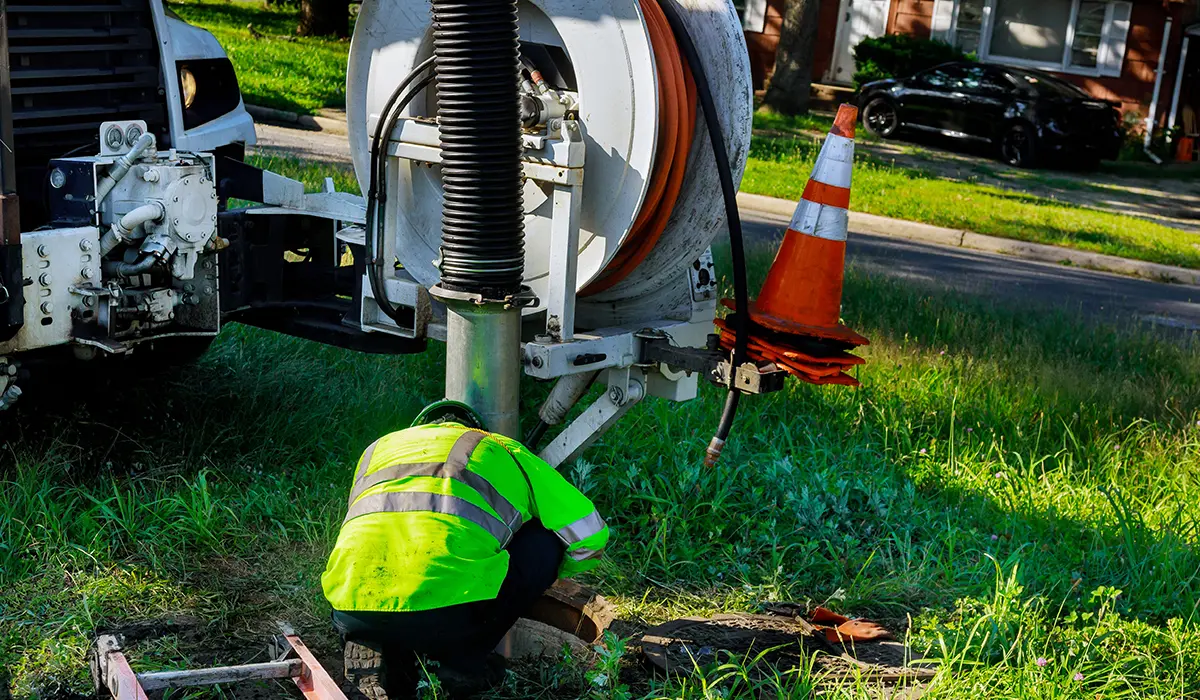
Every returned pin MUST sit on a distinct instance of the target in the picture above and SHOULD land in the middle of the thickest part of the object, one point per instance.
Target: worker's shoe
(364, 668)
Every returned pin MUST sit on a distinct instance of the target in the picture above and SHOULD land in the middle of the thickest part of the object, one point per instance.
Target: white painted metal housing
(609, 49)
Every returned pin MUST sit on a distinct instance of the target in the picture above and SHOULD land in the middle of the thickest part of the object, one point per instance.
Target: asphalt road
(1096, 295)
(1013, 281)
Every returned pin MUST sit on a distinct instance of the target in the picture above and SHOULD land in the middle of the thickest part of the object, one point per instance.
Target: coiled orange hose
(676, 126)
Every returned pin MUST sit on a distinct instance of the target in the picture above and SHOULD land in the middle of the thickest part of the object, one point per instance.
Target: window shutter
(1112, 44)
(943, 16)
(754, 16)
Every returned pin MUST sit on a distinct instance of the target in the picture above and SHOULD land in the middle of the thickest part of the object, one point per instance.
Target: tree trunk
(789, 88)
(324, 18)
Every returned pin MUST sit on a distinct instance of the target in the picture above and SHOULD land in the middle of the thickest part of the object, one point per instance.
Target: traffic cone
(794, 321)
(803, 291)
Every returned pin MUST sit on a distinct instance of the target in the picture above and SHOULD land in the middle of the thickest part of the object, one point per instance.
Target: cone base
(809, 359)
(780, 325)
(786, 327)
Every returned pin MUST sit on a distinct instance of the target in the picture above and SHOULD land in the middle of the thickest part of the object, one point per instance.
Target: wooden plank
(221, 674)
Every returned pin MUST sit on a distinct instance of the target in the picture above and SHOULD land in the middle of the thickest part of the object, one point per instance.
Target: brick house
(1110, 48)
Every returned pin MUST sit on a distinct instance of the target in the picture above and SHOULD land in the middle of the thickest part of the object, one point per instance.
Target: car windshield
(1047, 86)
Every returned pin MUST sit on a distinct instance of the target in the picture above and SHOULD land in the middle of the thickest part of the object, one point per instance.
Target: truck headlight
(208, 89)
(187, 87)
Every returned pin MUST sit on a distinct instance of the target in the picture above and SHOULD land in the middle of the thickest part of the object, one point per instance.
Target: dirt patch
(778, 644)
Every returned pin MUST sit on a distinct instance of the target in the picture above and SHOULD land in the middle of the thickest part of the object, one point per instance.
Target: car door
(986, 94)
(931, 99)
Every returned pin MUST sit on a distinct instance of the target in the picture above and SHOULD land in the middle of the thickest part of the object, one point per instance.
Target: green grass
(1021, 485)
(278, 70)
(779, 167)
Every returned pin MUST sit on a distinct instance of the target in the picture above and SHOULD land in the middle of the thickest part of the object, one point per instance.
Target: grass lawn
(1024, 488)
(276, 69)
(304, 75)
(779, 167)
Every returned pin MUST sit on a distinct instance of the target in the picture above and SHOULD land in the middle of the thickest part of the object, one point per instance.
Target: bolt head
(47, 307)
(89, 301)
(46, 279)
(614, 394)
(85, 245)
(43, 251)
(537, 361)
(87, 273)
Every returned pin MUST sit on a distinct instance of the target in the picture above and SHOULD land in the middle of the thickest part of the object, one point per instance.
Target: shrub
(899, 56)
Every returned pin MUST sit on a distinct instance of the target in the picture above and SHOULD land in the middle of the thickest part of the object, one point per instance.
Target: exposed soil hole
(682, 646)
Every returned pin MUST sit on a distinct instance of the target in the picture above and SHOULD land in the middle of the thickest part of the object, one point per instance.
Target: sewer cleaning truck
(541, 183)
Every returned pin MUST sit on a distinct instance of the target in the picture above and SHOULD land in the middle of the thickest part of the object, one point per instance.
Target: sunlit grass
(999, 477)
(779, 167)
(276, 69)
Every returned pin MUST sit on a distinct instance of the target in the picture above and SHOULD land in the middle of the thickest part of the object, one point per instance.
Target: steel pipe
(483, 362)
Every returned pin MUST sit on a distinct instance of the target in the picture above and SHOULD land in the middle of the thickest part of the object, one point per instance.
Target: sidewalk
(780, 210)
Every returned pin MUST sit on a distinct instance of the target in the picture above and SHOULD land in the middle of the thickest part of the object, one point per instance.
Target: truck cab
(75, 64)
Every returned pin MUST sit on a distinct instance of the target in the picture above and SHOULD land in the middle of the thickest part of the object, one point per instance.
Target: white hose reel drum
(606, 45)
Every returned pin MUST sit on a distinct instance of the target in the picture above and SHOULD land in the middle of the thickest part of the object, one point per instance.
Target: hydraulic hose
(122, 229)
(121, 168)
(115, 268)
(377, 195)
(736, 245)
(483, 219)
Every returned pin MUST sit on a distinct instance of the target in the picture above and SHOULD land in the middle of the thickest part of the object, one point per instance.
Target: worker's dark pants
(461, 636)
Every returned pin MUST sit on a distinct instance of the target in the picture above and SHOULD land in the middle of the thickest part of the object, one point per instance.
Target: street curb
(927, 233)
(329, 124)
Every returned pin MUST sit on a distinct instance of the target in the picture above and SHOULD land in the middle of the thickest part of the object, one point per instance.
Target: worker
(452, 534)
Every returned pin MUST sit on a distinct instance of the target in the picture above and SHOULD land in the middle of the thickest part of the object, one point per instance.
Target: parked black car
(1028, 115)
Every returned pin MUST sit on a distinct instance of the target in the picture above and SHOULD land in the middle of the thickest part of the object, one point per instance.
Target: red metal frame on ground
(111, 672)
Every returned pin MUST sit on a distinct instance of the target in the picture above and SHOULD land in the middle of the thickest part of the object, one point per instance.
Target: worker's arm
(563, 510)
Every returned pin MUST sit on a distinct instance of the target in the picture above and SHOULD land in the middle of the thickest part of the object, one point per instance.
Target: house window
(1089, 32)
(970, 25)
(1086, 37)
(1029, 30)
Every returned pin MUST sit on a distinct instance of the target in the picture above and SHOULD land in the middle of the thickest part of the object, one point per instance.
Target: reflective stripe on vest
(583, 554)
(455, 467)
(416, 501)
(581, 529)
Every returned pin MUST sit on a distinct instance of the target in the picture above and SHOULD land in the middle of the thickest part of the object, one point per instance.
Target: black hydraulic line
(535, 435)
(736, 246)
(377, 190)
(483, 219)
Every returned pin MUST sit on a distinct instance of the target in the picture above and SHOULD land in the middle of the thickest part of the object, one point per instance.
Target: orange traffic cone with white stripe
(795, 317)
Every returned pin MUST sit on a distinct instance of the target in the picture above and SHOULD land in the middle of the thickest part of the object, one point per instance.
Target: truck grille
(75, 64)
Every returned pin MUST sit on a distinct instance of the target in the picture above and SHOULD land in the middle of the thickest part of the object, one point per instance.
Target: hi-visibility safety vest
(431, 511)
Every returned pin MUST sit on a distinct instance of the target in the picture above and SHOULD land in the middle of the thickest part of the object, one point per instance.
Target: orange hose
(676, 127)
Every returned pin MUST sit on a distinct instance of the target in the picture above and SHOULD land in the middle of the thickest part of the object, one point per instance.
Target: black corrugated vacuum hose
(479, 118)
(736, 247)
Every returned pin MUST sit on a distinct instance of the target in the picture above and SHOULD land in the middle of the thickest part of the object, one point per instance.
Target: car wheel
(1017, 148)
(881, 118)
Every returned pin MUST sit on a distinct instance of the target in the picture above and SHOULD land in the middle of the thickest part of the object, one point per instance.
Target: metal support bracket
(554, 159)
(626, 387)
